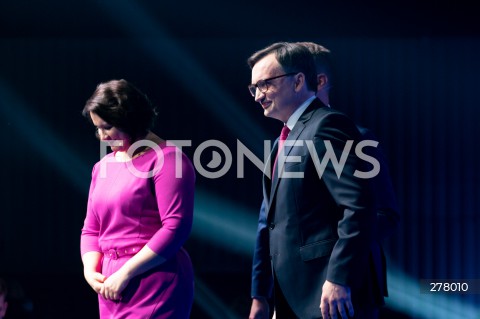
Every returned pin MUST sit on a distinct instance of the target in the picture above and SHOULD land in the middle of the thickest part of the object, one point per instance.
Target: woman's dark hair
(122, 105)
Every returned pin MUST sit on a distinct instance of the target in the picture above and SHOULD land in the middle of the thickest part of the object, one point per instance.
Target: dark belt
(116, 253)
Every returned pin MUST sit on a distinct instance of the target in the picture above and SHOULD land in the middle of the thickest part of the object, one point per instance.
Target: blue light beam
(184, 68)
(224, 224)
(41, 138)
(405, 296)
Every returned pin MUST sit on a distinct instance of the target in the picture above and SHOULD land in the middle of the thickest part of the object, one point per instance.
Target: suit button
(271, 226)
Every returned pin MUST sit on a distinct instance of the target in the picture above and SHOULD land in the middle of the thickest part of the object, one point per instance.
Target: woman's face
(109, 133)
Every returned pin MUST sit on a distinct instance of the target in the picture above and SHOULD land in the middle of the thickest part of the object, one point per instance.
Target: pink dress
(129, 208)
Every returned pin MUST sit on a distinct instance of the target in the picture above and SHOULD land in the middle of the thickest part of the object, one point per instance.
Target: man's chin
(271, 115)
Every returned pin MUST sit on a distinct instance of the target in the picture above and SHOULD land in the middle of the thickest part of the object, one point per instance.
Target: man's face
(3, 306)
(279, 100)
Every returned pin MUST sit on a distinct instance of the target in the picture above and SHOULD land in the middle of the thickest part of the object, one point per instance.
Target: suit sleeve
(262, 278)
(356, 226)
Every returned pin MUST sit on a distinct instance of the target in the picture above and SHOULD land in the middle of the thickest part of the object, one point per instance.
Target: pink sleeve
(174, 191)
(91, 226)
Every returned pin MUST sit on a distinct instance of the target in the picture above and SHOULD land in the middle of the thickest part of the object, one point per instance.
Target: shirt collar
(293, 119)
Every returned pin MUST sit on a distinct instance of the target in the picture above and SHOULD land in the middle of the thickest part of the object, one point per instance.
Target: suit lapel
(292, 137)
(270, 192)
(267, 174)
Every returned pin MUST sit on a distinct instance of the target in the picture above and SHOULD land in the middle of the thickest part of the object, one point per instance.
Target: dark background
(407, 70)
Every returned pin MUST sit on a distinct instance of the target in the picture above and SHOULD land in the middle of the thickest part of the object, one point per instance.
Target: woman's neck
(127, 155)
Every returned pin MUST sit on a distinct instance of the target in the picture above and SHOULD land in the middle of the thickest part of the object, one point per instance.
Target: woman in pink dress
(139, 212)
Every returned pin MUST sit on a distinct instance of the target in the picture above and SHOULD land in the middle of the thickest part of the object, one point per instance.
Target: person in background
(387, 208)
(313, 249)
(388, 217)
(139, 212)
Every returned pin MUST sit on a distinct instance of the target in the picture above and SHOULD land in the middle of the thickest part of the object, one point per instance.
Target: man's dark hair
(292, 57)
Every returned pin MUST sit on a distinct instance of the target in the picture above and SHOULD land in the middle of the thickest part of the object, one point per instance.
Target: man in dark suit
(317, 235)
(387, 207)
(388, 217)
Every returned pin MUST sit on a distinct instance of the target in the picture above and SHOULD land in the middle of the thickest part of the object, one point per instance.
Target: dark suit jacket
(316, 228)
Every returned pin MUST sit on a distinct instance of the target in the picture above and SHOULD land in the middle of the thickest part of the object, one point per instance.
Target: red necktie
(281, 141)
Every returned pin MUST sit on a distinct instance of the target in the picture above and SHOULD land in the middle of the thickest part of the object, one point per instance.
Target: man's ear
(299, 81)
(322, 81)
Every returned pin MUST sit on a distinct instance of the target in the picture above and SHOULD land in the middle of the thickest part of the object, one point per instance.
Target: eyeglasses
(262, 85)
